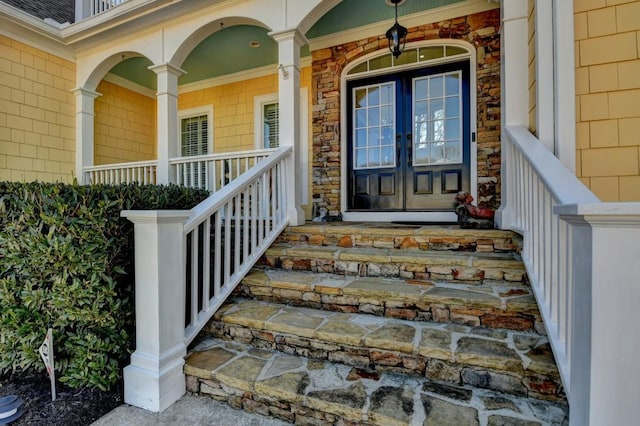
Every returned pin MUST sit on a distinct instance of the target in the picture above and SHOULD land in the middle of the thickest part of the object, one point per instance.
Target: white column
(154, 380)
(565, 83)
(167, 120)
(84, 130)
(289, 43)
(605, 379)
(545, 103)
(514, 108)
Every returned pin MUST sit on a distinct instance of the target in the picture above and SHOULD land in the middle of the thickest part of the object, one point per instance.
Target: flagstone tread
(507, 260)
(323, 392)
(391, 262)
(403, 236)
(366, 340)
(500, 304)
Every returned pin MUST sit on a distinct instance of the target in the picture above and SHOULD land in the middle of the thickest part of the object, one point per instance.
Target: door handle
(409, 148)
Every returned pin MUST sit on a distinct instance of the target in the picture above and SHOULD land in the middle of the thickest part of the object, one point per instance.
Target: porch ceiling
(228, 51)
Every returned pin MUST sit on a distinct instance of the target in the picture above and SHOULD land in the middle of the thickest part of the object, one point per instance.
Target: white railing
(143, 172)
(540, 183)
(211, 172)
(214, 171)
(228, 233)
(583, 261)
(99, 6)
(188, 262)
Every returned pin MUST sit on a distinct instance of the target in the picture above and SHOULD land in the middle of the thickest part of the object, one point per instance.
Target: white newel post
(85, 100)
(289, 43)
(154, 380)
(167, 120)
(515, 95)
(605, 374)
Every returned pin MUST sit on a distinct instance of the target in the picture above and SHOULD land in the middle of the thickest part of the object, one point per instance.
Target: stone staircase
(383, 324)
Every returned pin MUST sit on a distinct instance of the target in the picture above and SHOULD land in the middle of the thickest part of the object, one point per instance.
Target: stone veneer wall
(481, 30)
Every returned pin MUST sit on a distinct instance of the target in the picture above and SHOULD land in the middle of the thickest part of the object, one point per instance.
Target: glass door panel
(374, 126)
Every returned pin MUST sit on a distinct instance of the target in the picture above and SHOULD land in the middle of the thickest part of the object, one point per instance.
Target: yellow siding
(532, 67)
(233, 112)
(607, 34)
(125, 125)
(37, 114)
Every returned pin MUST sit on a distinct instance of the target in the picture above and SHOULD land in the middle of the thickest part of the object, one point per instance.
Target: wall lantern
(397, 35)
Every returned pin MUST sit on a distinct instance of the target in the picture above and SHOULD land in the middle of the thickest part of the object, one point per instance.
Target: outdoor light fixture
(397, 35)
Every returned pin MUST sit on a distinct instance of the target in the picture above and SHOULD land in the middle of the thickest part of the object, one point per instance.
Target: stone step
(412, 264)
(304, 391)
(402, 236)
(501, 360)
(494, 304)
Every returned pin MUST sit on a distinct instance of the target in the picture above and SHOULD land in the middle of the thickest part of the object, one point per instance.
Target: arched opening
(125, 113)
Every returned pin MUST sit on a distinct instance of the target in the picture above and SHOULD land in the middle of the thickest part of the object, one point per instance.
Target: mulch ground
(73, 407)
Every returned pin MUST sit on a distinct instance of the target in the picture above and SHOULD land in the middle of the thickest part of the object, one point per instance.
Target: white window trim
(258, 131)
(196, 112)
(258, 107)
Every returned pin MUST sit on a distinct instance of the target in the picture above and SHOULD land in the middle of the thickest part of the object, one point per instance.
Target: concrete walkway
(188, 411)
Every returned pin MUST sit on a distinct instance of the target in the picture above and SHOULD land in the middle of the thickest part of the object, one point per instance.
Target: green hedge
(66, 262)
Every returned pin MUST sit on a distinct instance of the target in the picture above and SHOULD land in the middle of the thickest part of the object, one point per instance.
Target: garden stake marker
(46, 352)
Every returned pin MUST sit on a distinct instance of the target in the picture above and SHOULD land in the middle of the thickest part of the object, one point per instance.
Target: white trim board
(237, 77)
(129, 85)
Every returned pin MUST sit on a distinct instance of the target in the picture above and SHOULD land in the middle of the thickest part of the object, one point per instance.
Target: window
(194, 134)
(270, 126)
(195, 138)
(266, 115)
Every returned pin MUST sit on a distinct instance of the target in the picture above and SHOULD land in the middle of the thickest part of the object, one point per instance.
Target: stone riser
(520, 383)
(487, 317)
(308, 392)
(507, 306)
(437, 238)
(394, 265)
(252, 402)
(500, 360)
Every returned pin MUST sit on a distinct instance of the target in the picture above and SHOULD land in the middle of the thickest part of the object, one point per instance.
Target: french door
(409, 140)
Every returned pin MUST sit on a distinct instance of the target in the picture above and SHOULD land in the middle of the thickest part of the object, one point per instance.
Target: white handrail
(228, 232)
(214, 171)
(539, 182)
(187, 262)
(581, 257)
